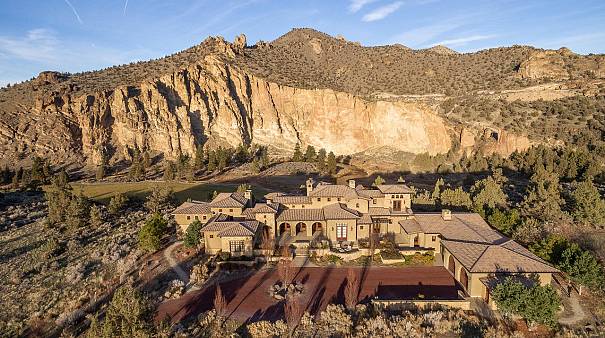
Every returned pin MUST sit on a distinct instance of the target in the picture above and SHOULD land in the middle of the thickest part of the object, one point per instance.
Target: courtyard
(248, 298)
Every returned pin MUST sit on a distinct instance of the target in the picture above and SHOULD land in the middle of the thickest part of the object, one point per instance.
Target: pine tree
(456, 199)
(168, 171)
(321, 160)
(437, 190)
(298, 155)
(199, 157)
(146, 162)
(310, 154)
(543, 199)
(587, 205)
(100, 173)
(487, 192)
(378, 181)
(96, 219)
(331, 164)
(212, 163)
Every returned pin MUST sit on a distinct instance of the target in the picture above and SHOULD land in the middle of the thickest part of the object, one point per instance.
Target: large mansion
(468, 247)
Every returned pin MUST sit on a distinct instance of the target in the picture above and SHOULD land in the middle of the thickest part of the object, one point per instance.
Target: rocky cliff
(217, 99)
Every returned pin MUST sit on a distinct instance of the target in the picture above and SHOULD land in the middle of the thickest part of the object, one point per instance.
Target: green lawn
(102, 192)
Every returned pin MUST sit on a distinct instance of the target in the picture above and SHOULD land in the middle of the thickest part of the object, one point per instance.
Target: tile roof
(192, 207)
(301, 215)
(334, 190)
(377, 211)
(267, 208)
(369, 193)
(340, 211)
(365, 219)
(410, 226)
(291, 199)
(232, 228)
(508, 256)
(229, 200)
(395, 189)
(463, 227)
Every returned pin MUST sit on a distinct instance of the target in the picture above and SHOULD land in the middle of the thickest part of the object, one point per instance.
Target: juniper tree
(298, 155)
(587, 206)
(117, 203)
(321, 160)
(331, 164)
(310, 154)
(150, 235)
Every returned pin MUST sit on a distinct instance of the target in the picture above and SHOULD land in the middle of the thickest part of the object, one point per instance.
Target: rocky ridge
(221, 93)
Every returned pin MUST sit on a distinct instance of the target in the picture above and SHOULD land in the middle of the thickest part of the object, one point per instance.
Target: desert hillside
(310, 88)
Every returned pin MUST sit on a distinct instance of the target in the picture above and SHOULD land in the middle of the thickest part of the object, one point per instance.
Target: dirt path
(183, 275)
(577, 313)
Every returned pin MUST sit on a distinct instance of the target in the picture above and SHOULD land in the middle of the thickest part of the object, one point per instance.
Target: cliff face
(219, 93)
(220, 104)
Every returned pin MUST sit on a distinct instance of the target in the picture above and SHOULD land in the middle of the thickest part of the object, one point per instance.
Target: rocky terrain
(305, 87)
(51, 279)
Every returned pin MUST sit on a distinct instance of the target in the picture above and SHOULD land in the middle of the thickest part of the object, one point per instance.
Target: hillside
(305, 87)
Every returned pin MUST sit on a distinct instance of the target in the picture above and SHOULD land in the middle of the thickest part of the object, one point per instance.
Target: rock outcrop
(221, 93)
(215, 103)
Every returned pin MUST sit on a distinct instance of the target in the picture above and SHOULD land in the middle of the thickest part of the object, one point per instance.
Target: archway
(451, 265)
(301, 228)
(464, 279)
(284, 227)
(317, 226)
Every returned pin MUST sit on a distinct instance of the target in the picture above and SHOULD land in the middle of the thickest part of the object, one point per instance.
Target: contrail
(74, 10)
(125, 5)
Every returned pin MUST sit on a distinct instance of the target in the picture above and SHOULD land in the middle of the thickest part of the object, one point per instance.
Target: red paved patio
(248, 298)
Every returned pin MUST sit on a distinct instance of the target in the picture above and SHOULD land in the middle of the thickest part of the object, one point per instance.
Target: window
(236, 246)
(204, 217)
(434, 238)
(211, 236)
(397, 205)
(220, 210)
(374, 201)
(341, 232)
(302, 206)
(197, 218)
(188, 217)
(357, 205)
(338, 199)
(319, 200)
(361, 227)
(329, 199)
(230, 210)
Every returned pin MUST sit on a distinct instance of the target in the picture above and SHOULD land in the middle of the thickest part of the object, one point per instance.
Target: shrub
(537, 304)
(117, 203)
(151, 233)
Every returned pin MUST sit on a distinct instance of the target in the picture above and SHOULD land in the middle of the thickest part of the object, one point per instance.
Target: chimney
(309, 185)
(446, 214)
(352, 184)
(248, 194)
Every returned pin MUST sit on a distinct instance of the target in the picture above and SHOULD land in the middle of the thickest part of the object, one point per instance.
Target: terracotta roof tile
(334, 190)
(340, 211)
(410, 226)
(193, 207)
(504, 257)
(301, 215)
(395, 189)
(291, 199)
(229, 200)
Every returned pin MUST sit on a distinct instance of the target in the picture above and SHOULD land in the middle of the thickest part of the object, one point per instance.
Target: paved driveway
(248, 297)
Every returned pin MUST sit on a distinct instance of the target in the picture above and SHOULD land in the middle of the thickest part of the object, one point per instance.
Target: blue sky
(77, 35)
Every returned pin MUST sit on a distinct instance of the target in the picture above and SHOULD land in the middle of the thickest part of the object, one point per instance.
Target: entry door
(341, 232)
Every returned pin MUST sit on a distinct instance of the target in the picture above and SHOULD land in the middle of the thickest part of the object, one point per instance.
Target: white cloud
(382, 12)
(37, 45)
(462, 41)
(356, 5)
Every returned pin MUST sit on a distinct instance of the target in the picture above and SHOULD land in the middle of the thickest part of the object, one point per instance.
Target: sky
(80, 35)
